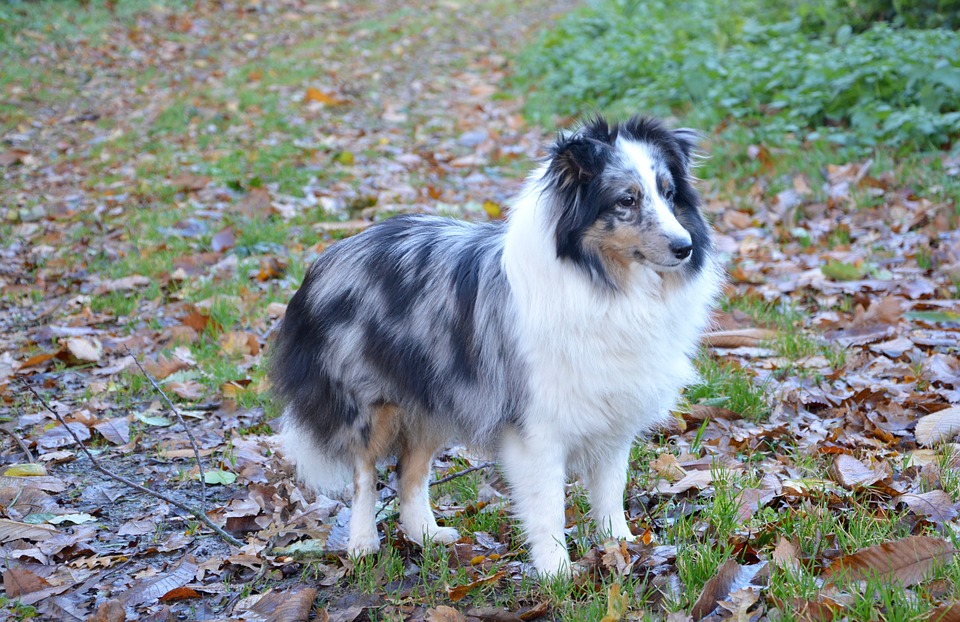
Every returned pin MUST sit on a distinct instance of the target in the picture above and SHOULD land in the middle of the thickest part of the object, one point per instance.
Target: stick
(193, 441)
(442, 480)
(447, 478)
(123, 480)
(23, 446)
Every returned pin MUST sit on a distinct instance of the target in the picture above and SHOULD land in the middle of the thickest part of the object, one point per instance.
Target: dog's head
(622, 196)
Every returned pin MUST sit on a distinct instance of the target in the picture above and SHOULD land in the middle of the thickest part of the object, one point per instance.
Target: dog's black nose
(681, 249)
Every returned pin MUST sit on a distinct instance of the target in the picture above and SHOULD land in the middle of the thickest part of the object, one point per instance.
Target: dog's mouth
(656, 265)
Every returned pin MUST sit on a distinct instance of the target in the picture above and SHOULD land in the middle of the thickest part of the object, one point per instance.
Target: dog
(552, 339)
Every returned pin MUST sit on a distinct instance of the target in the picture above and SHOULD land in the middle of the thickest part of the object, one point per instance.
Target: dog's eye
(627, 201)
(668, 193)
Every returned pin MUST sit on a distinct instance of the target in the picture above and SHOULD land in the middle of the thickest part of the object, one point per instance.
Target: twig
(442, 480)
(23, 446)
(201, 516)
(193, 441)
(447, 478)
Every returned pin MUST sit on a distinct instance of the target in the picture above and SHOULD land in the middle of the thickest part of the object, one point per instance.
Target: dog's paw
(444, 535)
(364, 545)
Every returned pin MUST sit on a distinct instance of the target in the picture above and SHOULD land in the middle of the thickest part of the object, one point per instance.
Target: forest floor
(169, 171)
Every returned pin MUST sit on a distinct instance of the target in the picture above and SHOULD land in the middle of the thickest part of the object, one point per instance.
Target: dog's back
(390, 316)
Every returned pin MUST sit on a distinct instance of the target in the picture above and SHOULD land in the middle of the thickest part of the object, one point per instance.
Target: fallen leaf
(740, 602)
(941, 426)
(84, 349)
(223, 240)
(616, 604)
(729, 578)
(936, 505)
(908, 561)
(115, 430)
(785, 555)
(316, 95)
(744, 337)
(59, 435)
(695, 479)
(19, 581)
(179, 593)
(218, 477)
(13, 156)
(293, 605)
(31, 469)
(853, 474)
(13, 530)
(949, 612)
(152, 589)
(443, 613)
(458, 592)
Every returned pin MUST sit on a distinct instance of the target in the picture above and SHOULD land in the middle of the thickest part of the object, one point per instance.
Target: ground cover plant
(169, 170)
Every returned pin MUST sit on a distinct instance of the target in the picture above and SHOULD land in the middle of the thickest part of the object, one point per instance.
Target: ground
(170, 170)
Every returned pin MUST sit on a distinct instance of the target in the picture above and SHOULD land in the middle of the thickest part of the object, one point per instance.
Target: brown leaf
(19, 581)
(493, 614)
(39, 359)
(667, 467)
(458, 592)
(316, 95)
(152, 589)
(164, 366)
(443, 613)
(13, 530)
(59, 436)
(695, 479)
(115, 430)
(110, 611)
(223, 240)
(740, 603)
(189, 390)
(84, 349)
(745, 337)
(238, 342)
(936, 505)
(730, 577)
(294, 605)
(13, 156)
(806, 610)
(908, 561)
(189, 183)
(179, 593)
(785, 554)
(949, 612)
(941, 426)
(701, 412)
(853, 474)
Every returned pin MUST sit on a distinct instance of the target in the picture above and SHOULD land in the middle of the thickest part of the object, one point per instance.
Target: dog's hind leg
(416, 457)
(377, 438)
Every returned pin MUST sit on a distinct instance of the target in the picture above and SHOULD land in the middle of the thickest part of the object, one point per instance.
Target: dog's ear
(688, 141)
(577, 159)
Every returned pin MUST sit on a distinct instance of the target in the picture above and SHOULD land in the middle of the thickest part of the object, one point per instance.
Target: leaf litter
(862, 403)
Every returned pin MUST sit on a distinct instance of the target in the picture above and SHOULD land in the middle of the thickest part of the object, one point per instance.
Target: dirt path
(164, 171)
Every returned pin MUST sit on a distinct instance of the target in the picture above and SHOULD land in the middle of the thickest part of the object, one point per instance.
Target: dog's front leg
(606, 480)
(535, 469)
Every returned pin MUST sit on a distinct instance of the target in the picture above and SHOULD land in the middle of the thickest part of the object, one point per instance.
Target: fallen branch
(193, 441)
(447, 478)
(202, 517)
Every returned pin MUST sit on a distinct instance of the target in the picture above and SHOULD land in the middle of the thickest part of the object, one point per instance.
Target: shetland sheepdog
(551, 339)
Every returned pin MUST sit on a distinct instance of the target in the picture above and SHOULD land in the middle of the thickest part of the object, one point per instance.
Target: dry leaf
(908, 561)
(941, 426)
(443, 613)
(853, 474)
(316, 95)
(19, 581)
(458, 592)
(730, 577)
(740, 603)
(936, 505)
(945, 613)
(115, 430)
(695, 479)
(13, 530)
(785, 555)
(746, 337)
(84, 349)
(667, 467)
(617, 604)
(152, 589)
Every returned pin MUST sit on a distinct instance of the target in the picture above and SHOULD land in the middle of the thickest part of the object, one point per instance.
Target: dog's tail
(321, 469)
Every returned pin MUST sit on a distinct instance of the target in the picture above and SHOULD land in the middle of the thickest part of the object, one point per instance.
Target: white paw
(444, 535)
(363, 545)
(553, 565)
